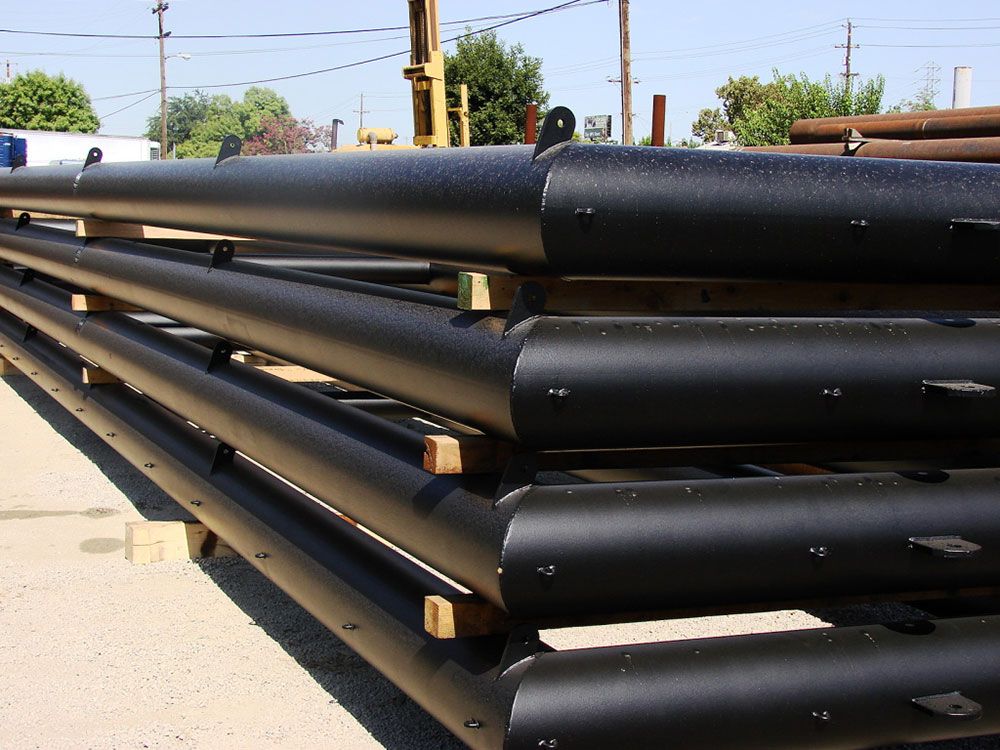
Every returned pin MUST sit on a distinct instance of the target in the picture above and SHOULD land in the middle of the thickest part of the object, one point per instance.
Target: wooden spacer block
(156, 541)
(99, 303)
(94, 375)
(247, 358)
(465, 454)
(297, 374)
(463, 616)
(7, 368)
(122, 230)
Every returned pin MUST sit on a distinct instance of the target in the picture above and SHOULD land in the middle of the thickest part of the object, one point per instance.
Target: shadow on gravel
(391, 717)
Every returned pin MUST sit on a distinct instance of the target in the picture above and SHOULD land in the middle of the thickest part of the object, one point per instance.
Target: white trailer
(47, 147)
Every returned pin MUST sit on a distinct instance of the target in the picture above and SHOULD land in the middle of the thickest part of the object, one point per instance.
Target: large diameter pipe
(985, 150)
(946, 123)
(569, 382)
(557, 550)
(577, 210)
(833, 688)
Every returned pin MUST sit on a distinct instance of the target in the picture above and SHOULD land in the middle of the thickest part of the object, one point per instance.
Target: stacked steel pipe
(564, 392)
(969, 134)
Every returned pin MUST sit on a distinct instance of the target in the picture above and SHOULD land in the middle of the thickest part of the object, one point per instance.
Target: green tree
(502, 80)
(761, 113)
(204, 121)
(36, 101)
(709, 121)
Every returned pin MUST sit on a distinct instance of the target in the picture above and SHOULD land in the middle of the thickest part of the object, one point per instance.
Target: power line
(336, 32)
(150, 95)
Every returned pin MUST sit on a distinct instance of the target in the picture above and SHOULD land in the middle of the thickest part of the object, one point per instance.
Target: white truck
(47, 147)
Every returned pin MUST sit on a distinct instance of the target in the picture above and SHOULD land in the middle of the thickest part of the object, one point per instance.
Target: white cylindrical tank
(962, 93)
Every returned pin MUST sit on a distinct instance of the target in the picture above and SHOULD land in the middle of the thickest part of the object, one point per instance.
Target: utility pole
(847, 74)
(161, 8)
(626, 55)
(361, 112)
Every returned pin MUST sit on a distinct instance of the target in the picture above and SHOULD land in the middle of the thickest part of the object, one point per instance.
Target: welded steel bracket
(94, 156)
(221, 353)
(222, 456)
(222, 253)
(520, 473)
(529, 302)
(945, 546)
(231, 146)
(959, 388)
(558, 128)
(949, 706)
(23, 219)
(853, 140)
(522, 643)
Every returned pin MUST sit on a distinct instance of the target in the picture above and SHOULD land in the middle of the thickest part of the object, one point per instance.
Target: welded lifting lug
(529, 301)
(557, 129)
(221, 456)
(945, 546)
(221, 353)
(522, 643)
(230, 147)
(958, 388)
(222, 253)
(949, 706)
(94, 156)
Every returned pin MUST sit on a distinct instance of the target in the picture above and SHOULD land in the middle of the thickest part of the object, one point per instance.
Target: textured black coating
(612, 548)
(563, 382)
(339, 574)
(577, 210)
(829, 689)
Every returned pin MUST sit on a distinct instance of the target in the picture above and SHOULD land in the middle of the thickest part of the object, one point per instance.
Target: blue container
(19, 153)
(6, 150)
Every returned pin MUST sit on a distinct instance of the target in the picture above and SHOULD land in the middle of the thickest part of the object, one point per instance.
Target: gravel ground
(104, 654)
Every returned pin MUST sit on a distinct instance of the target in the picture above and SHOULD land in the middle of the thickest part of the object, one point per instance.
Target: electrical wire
(129, 106)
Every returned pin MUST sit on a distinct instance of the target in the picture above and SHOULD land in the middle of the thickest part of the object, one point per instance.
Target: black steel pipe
(557, 550)
(817, 689)
(577, 210)
(571, 382)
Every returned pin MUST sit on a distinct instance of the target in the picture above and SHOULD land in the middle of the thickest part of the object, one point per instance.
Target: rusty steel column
(659, 119)
(530, 123)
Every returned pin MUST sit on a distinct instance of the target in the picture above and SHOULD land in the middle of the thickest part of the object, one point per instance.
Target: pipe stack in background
(697, 383)
(970, 134)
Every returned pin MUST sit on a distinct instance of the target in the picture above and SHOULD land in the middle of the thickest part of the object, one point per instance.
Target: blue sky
(682, 50)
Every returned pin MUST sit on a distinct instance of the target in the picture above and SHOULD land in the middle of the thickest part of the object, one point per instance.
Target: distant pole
(961, 95)
(158, 11)
(530, 123)
(361, 112)
(847, 74)
(335, 133)
(659, 119)
(626, 55)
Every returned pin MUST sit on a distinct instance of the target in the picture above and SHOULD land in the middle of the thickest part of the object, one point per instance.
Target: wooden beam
(94, 375)
(121, 230)
(480, 291)
(14, 213)
(7, 368)
(249, 359)
(156, 541)
(99, 303)
(298, 374)
(463, 616)
(465, 454)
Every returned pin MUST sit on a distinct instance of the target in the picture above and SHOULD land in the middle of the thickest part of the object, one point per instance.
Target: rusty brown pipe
(659, 119)
(943, 123)
(985, 150)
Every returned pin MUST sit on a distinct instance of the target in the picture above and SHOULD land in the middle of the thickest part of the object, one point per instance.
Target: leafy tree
(183, 114)
(204, 121)
(36, 101)
(761, 113)
(286, 135)
(922, 102)
(502, 80)
(708, 122)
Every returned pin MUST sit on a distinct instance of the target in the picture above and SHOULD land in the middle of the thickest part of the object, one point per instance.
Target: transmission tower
(931, 81)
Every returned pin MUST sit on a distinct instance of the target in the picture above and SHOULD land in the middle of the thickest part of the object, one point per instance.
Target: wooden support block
(480, 291)
(298, 374)
(94, 375)
(7, 368)
(120, 230)
(15, 213)
(465, 454)
(156, 541)
(249, 359)
(99, 303)
(463, 616)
